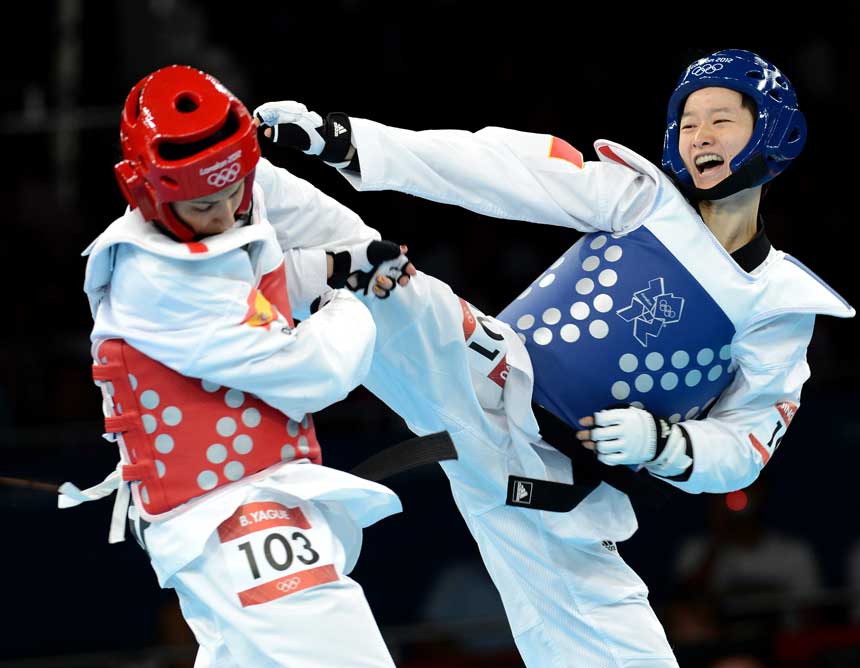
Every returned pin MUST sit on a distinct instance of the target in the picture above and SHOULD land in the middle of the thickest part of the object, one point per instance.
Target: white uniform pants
(570, 599)
(270, 589)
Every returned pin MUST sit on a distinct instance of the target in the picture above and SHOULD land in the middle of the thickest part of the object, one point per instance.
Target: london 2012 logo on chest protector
(651, 310)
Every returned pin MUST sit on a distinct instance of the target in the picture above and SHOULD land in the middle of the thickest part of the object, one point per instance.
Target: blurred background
(764, 578)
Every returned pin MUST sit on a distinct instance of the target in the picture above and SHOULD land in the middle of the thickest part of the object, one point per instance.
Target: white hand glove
(636, 436)
(291, 113)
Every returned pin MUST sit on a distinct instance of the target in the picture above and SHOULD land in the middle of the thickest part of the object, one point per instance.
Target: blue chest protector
(620, 320)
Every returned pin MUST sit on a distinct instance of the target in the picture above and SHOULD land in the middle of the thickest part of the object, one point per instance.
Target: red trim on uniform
(253, 517)
(786, 411)
(609, 153)
(499, 375)
(197, 247)
(289, 584)
(274, 286)
(560, 149)
(765, 455)
(469, 322)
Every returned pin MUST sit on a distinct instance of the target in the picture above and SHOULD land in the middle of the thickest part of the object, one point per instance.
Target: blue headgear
(780, 128)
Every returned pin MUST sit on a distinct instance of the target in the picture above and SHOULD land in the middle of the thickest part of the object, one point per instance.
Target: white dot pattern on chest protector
(598, 242)
(693, 412)
(547, 280)
(303, 445)
(705, 356)
(598, 329)
(584, 286)
(591, 263)
(234, 471)
(613, 254)
(551, 316)
(288, 452)
(569, 333)
(603, 303)
(160, 468)
(171, 416)
(207, 480)
(226, 426)
(209, 386)
(251, 417)
(557, 263)
(669, 381)
(305, 422)
(579, 310)
(525, 321)
(144, 494)
(607, 278)
(542, 336)
(620, 390)
(525, 293)
(216, 453)
(132, 380)
(628, 362)
(149, 399)
(292, 428)
(692, 378)
(234, 398)
(680, 359)
(644, 383)
(654, 361)
(715, 372)
(164, 443)
(675, 417)
(150, 424)
(726, 352)
(521, 337)
(109, 388)
(243, 444)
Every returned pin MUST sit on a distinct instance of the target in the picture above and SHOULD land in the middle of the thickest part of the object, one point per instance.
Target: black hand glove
(358, 267)
(293, 126)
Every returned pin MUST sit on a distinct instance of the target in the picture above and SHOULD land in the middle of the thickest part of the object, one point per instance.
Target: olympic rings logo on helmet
(707, 68)
(224, 177)
(288, 585)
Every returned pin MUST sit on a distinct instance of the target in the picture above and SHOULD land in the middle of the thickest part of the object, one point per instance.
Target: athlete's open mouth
(708, 162)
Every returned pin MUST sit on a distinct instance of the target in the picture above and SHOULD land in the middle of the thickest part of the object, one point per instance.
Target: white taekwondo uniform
(646, 308)
(208, 387)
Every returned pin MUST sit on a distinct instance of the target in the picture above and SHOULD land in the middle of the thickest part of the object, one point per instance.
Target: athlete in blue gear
(673, 306)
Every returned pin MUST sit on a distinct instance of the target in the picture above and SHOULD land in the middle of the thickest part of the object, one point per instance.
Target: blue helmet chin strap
(753, 173)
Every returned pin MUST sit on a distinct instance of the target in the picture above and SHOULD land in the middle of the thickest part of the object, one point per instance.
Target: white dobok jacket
(647, 308)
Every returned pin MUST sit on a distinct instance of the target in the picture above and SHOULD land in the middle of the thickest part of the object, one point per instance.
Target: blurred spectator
(739, 585)
(741, 554)
(852, 581)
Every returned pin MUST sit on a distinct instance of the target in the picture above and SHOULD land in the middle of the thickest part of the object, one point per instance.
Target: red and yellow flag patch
(260, 312)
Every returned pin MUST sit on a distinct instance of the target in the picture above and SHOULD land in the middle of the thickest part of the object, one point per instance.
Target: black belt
(588, 472)
(407, 455)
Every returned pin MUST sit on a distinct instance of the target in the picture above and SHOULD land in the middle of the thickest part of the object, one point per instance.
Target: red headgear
(183, 136)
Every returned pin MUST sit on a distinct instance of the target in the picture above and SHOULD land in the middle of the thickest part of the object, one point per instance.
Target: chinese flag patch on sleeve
(560, 149)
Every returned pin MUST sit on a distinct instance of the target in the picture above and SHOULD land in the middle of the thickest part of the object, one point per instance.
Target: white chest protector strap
(71, 495)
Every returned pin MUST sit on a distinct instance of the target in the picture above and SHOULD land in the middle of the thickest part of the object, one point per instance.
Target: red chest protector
(184, 436)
